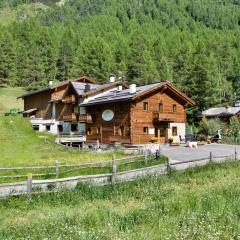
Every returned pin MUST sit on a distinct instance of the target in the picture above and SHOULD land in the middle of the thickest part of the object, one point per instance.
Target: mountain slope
(195, 44)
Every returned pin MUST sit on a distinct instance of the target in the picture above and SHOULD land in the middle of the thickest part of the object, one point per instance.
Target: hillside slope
(195, 44)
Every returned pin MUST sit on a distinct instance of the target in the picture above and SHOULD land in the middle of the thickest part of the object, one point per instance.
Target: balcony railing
(70, 118)
(163, 117)
(70, 99)
(86, 118)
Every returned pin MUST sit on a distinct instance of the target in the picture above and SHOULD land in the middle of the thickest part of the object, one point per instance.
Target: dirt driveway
(183, 153)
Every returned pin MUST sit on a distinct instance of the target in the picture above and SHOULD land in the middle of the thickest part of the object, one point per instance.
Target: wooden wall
(41, 102)
(62, 108)
(109, 131)
(141, 118)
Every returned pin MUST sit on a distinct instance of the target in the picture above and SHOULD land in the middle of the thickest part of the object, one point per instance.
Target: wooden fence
(32, 186)
(56, 169)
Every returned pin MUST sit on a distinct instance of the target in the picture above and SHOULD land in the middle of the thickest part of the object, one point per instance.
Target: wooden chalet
(136, 115)
(112, 112)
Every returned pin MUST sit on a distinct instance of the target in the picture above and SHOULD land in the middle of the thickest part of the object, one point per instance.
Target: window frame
(145, 130)
(160, 109)
(173, 131)
(48, 128)
(147, 104)
(174, 108)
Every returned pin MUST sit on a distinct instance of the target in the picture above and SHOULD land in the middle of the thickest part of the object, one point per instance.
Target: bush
(209, 127)
(234, 128)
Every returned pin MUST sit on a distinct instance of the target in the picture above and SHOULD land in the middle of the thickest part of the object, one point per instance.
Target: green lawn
(8, 99)
(21, 146)
(201, 203)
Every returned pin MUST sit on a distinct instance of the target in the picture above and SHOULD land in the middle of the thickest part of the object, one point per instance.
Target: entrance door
(160, 134)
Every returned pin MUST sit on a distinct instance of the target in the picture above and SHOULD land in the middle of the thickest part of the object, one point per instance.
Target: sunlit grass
(201, 203)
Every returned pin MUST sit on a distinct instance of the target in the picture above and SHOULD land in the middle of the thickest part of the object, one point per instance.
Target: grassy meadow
(9, 15)
(21, 146)
(199, 204)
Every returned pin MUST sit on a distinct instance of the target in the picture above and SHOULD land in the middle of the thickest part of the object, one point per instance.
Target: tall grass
(201, 203)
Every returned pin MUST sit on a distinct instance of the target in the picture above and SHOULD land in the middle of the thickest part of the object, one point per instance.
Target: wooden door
(161, 134)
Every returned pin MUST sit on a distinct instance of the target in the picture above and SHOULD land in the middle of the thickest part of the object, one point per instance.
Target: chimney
(112, 78)
(119, 88)
(87, 88)
(132, 88)
(50, 83)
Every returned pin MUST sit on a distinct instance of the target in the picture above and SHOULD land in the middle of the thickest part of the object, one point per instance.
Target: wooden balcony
(87, 118)
(70, 99)
(70, 118)
(163, 117)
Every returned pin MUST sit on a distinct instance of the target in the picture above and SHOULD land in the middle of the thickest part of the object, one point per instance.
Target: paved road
(183, 153)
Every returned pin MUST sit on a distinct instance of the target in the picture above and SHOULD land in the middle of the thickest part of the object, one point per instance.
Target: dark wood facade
(117, 130)
(133, 120)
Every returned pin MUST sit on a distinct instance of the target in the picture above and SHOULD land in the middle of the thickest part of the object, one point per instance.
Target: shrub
(209, 127)
(234, 127)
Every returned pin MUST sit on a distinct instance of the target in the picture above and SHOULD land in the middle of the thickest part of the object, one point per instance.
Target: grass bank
(201, 203)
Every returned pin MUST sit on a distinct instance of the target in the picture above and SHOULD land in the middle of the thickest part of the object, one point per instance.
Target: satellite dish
(107, 115)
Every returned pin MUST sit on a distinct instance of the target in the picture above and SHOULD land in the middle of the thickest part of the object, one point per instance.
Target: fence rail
(32, 186)
(57, 167)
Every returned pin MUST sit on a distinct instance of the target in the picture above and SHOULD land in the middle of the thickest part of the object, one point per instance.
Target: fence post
(235, 154)
(57, 168)
(145, 155)
(211, 157)
(114, 168)
(168, 166)
(29, 186)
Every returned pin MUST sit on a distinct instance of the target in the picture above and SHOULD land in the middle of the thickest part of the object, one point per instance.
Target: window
(174, 108)
(48, 127)
(98, 130)
(145, 106)
(36, 127)
(60, 128)
(162, 132)
(160, 107)
(174, 131)
(89, 131)
(145, 130)
(73, 127)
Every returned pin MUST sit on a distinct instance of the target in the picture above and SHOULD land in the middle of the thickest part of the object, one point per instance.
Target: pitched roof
(82, 79)
(126, 95)
(214, 112)
(79, 87)
(104, 87)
